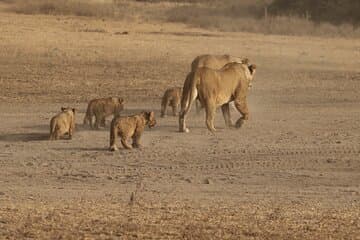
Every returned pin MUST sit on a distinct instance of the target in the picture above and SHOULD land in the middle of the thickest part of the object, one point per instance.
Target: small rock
(206, 181)
(188, 180)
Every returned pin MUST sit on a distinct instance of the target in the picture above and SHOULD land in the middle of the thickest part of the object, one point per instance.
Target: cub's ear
(252, 68)
(63, 109)
(73, 110)
(121, 100)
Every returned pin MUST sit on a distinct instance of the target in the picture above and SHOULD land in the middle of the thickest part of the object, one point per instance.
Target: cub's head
(68, 110)
(250, 74)
(150, 119)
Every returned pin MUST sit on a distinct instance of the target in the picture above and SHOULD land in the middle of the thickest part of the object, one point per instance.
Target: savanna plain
(291, 172)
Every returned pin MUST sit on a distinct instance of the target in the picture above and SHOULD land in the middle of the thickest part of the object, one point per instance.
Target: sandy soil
(292, 172)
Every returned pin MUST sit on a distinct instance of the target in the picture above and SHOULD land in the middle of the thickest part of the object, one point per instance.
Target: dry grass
(66, 7)
(91, 220)
(234, 19)
(230, 16)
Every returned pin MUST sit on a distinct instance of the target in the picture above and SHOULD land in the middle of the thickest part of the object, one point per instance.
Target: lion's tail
(164, 103)
(189, 97)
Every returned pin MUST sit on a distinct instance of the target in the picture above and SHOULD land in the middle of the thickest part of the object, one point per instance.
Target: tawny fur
(62, 123)
(172, 97)
(216, 88)
(215, 61)
(102, 108)
(130, 127)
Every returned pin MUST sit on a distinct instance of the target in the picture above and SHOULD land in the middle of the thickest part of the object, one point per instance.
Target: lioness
(216, 88)
(130, 126)
(102, 108)
(62, 123)
(215, 61)
(172, 97)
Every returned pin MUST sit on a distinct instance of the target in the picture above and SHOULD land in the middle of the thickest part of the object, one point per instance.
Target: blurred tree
(265, 5)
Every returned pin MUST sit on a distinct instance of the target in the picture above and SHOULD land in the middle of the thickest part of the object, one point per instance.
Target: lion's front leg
(137, 136)
(103, 122)
(242, 107)
(174, 106)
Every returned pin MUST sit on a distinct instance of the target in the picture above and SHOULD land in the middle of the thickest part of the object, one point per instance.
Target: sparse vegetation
(248, 18)
(228, 15)
(65, 7)
(334, 11)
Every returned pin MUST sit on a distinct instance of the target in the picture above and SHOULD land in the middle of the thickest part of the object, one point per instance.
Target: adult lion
(102, 108)
(216, 88)
(215, 61)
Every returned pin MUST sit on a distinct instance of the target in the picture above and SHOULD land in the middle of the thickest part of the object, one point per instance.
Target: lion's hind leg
(225, 108)
(164, 103)
(210, 115)
(98, 121)
(125, 143)
(136, 140)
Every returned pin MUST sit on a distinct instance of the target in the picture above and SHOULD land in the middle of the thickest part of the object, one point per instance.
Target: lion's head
(67, 110)
(250, 74)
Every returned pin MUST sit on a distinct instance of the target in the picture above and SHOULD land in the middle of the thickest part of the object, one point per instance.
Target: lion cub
(62, 123)
(172, 97)
(130, 126)
(102, 108)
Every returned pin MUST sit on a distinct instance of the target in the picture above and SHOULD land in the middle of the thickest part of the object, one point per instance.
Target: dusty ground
(293, 171)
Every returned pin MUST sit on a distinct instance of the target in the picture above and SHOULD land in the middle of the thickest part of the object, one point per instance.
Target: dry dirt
(292, 172)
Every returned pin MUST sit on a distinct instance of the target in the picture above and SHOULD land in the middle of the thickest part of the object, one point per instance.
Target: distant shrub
(227, 19)
(64, 7)
(334, 11)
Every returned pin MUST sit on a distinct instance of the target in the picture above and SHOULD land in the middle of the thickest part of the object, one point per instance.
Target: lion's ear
(63, 109)
(245, 61)
(121, 100)
(252, 68)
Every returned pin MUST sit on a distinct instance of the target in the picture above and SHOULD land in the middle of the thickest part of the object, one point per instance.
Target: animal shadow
(24, 137)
